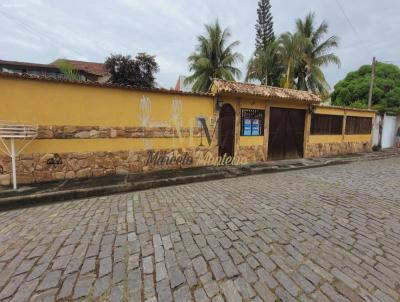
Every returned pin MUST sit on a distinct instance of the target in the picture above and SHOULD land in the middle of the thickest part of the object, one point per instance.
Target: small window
(252, 122)
(324, 124)
(358, 125)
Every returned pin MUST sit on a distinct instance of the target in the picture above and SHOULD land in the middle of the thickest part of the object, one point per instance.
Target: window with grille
(358, 125)
(252, 122)
(324, 124)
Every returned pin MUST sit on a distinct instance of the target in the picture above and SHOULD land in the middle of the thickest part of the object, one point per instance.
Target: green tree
(264, 26)
(317, 53)
(266, 65)
(213, 58)
(139, 71)
(292, 48)
(354, 88)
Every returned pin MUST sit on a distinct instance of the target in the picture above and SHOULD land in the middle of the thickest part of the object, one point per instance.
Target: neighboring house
(181, 86)
(88, 71)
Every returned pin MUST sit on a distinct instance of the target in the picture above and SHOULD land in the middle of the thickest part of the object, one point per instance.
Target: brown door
(286, 133)
(226, 130)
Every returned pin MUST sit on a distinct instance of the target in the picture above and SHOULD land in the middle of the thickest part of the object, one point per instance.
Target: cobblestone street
(324, 234)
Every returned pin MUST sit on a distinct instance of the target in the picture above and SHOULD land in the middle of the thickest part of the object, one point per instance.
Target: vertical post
(371, 85)
(14, 170)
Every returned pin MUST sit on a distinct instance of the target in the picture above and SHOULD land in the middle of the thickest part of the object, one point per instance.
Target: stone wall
(66, 132)
(49, 167)
(252, 153)
(330, 149)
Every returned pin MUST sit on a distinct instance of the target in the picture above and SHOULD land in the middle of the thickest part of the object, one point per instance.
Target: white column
(14, 170)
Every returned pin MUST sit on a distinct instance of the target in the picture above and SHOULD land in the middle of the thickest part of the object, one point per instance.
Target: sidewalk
(83, 188)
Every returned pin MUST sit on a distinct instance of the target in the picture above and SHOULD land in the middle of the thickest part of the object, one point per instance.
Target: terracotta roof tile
(222, 86)
(98, 84)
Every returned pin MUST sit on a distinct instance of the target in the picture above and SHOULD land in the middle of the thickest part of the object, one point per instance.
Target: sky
(41, 31)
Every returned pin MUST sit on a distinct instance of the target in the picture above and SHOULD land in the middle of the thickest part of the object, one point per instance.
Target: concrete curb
(13, 202)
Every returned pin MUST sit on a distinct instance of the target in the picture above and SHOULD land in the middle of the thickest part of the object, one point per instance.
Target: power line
(352, 26)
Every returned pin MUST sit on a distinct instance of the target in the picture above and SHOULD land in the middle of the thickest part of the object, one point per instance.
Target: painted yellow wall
(330, 111)
(48, 103)
(251, 140)
(343, 111)
(317, 139)
(357, 138)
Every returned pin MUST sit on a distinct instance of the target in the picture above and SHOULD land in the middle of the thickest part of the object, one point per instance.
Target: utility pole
(371, 86)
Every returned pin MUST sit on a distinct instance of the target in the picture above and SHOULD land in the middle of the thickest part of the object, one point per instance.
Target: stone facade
(252, 153)
(50, 167)
(329, 149)
(65, 132)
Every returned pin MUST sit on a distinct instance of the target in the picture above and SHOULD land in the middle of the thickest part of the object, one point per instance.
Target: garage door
(286, 133)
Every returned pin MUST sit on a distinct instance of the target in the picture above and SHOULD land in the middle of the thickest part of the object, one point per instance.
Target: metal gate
(226, 130)
(286, 133)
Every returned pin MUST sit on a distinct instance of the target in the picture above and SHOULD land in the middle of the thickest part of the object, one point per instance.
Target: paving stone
(46, 296)
(247, 272)
(117, 294)
(211, 288)
(164, 292)
(244, 288)
(230, 292)
(101, 286)
(83, 287)
(105, 266)
(51, 279)
(182, 294)
(89, 265)
(335, 241)
(266, 278)
(217, 270)
(199, 265)
(287, 283)
(332, 293)
(148, 265)
(348, 292)
(190, 276)
(25, 291)
(37, 271)
(119, 272)
(264, 292)
(67, 286)
(200, 295)
(176, 276)
(161, 271)
(25, 266)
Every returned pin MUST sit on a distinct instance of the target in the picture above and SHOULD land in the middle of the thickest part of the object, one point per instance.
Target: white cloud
(43, 30)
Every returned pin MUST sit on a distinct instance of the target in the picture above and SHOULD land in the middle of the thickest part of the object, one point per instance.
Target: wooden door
(286, 133)
(226, 131)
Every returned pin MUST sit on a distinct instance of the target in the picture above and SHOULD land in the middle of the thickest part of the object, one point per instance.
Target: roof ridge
(263, 85)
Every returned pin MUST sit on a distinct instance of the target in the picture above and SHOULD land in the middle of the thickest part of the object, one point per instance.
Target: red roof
(89, 67)
(94, 68)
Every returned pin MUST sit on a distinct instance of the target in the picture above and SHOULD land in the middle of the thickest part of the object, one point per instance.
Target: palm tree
(213, 58)
(266, 65)
(292, 48)
(317, 54)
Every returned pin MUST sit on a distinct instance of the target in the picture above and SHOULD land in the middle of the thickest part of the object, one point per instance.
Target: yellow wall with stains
(48, 103)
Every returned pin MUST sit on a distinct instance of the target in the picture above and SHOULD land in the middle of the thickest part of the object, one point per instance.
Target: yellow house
(90, 129)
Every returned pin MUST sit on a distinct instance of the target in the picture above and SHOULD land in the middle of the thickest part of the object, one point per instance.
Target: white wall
(389, 131)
